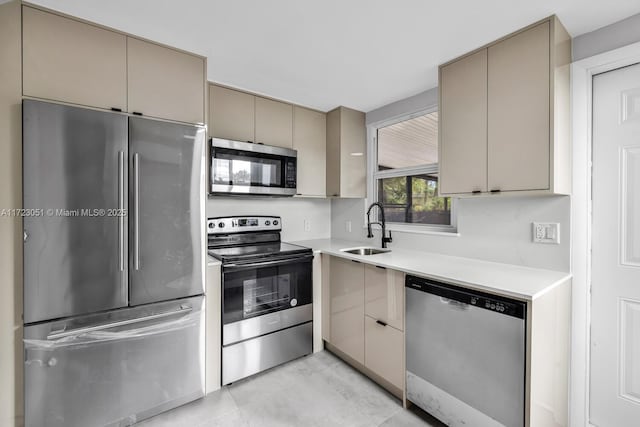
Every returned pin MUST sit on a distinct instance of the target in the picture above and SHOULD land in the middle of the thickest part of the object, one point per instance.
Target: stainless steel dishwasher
(465, 354)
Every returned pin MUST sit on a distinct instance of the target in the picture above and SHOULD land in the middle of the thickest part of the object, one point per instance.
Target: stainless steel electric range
(267, 315)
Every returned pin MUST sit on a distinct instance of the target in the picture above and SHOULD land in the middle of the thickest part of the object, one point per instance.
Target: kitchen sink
(365, 251)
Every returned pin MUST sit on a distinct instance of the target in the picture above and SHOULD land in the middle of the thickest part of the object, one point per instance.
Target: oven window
(232, 168)
(254, 292)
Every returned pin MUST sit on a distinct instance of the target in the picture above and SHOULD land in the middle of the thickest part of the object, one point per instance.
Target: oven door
(263, 297)
(246, 168)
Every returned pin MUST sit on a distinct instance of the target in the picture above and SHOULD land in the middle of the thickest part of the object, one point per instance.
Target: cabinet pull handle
(136, 113)
(496, 190)
(380, 322)
(357, 262)
(379, 266)
(476, 192)
(117, 110)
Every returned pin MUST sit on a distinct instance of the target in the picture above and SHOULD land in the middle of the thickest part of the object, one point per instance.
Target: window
(405, 174)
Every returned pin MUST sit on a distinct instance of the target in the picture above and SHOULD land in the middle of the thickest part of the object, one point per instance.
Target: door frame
(582, 73)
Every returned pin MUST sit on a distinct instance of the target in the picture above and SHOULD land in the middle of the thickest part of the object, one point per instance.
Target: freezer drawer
(114, 368)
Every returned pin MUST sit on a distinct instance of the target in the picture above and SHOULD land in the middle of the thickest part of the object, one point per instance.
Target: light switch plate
(546, 232)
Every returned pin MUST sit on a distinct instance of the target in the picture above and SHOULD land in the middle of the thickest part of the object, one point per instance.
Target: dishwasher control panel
(457, 295)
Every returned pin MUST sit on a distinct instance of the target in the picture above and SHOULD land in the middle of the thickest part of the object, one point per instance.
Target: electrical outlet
(347, 226)
(546, 232)
(307, 225)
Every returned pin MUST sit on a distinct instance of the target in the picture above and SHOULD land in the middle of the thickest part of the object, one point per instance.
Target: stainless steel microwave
(245, 168)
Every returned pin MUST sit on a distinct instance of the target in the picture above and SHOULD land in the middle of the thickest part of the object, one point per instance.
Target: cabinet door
(347, 307)
(70, 61)
(274, 123)
(164, 82)
(353, 160)
(518, 111)
(384, 351)
(231, 114)
(463, 125)
(384, 295)
(310, 140)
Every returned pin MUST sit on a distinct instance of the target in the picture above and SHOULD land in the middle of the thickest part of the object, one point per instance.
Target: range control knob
(275, 222)
(267, 222)
(221, 224)
(211, 225)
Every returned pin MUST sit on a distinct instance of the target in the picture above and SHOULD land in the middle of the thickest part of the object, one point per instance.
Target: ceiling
(361, 54)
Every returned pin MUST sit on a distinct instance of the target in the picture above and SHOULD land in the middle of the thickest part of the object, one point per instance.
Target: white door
(615, 293)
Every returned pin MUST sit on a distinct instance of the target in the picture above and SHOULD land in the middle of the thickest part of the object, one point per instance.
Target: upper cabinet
(310, 141)
(241, 116)
(165, 83)
(346, 153)
(274, 123)
(504, 115)
(70, 61)
(231, 114)
(463, 148)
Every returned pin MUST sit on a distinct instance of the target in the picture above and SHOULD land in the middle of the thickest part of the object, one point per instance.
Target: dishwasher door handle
(454, 304)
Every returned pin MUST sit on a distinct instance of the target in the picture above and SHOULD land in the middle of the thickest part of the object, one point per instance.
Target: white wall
(491, 228)
(607, 38)
(294, 211)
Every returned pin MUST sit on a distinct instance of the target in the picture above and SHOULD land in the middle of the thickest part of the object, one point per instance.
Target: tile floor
(317, 390)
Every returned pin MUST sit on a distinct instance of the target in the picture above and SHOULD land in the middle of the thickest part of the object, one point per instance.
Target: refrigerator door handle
(136, 211)
(62, 333)
(121, 209)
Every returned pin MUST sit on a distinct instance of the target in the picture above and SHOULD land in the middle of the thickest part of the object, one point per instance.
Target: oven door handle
(249, 265)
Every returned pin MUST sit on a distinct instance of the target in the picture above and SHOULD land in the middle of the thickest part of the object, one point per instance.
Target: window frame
(373, 175)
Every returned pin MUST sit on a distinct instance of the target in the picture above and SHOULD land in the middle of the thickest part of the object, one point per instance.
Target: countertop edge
(324, 246)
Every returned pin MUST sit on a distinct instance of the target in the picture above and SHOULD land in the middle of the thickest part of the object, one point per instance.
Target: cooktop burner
(232, 239)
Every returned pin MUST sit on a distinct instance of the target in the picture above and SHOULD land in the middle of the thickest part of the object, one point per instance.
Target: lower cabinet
(347, 307)
(366, 318)
(384, 351)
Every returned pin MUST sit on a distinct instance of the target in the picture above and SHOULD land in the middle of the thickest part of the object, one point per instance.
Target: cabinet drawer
(384, 295)
(384, 351)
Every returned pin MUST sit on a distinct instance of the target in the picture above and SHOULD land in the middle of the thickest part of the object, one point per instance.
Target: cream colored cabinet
(384, 352)
(463, 125)
(522, 110)
(346, 153)
(384, 295)
(274, 123)
(366, 318)
(310, 141)
(384, 323)
(165, 83)
(518, 111)
(231, 114)
(347, 307)
(70, 61)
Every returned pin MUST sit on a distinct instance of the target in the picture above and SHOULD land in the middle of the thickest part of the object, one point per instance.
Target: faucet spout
(382, 224)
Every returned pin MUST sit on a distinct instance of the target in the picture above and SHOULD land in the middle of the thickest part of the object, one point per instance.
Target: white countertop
(515, 281)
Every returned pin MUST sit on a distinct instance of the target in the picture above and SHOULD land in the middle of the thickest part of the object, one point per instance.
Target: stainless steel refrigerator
(113, 265)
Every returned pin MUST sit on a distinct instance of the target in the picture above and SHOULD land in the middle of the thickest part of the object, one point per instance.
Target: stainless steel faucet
(381, 223)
